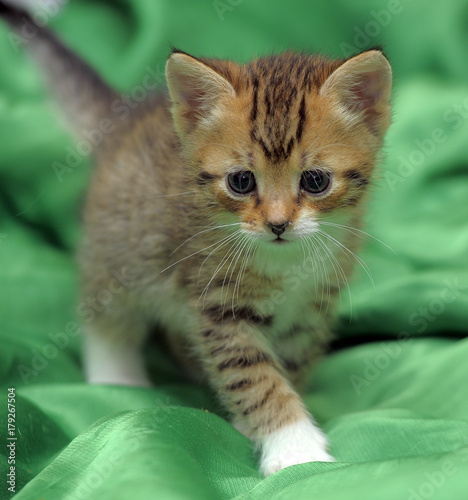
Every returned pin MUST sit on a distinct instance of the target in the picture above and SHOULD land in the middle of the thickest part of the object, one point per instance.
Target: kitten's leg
(184, 354)
(251, 382)
(299, 349)
(113, 354)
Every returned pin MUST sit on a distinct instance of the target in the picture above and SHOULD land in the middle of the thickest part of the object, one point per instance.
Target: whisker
(191, 255)
(251, 253)
(351, 253)
(303, 249)
(224, 259)
(308, 155)
(223, 242)
(312, 156)
(205, 231)
(235, 245)
(324, 277)
(246, 249)
(169, 195)
(354, 230)
(336, 266)
(233, 264)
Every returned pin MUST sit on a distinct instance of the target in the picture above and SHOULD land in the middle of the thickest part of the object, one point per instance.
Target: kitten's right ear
(196, 91)
(361, 86)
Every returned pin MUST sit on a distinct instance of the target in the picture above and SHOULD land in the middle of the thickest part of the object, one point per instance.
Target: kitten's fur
(237, 307)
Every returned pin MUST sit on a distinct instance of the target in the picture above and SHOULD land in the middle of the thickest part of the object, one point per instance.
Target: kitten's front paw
(294, 444)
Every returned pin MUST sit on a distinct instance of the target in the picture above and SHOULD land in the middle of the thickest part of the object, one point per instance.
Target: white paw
(130, 379)
(294, 444)
(107, 362)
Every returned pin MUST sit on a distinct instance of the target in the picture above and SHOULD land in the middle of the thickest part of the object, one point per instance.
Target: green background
(393, 393)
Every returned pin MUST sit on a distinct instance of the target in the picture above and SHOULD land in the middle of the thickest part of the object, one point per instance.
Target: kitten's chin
(272, 245)
(267, 242)
(278, 244)
(280, 241)
(274, 256)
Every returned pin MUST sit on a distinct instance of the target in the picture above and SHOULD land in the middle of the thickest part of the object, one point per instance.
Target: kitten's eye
(242, 182)
(315, 181)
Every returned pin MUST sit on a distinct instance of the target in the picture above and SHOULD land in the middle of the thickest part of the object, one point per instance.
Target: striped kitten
(229, 207)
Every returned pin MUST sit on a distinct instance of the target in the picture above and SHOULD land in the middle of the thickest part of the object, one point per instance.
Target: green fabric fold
(396, 411)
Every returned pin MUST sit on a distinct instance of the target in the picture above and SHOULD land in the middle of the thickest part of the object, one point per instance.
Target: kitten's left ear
(196, 91)
(362, 87)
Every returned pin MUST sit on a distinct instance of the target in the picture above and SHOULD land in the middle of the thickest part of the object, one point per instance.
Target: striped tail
(82, 94)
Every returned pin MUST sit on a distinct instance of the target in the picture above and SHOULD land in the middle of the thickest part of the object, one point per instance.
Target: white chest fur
(301, 295)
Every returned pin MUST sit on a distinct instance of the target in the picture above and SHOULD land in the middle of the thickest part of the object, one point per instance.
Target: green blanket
(393, 393)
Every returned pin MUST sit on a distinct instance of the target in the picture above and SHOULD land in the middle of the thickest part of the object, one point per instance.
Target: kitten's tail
(83, 95)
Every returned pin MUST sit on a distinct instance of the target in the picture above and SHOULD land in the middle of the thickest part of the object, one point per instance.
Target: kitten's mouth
(279, 241)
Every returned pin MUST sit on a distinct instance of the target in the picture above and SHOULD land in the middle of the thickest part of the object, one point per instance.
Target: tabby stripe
(258, 201)
(289, 147)
(220, 282)
(278, 153)
(244, 362)
(219, 314)
(307, 82)
(215, 335)
(205, 177)
(301, 121)
(258, 405)
(223, 349)
(351, 202)
(241, 384)
(259, 140)
(253, 134)
(287, 103)
(299, 69)
(267, 102)
(356, 177)
(253, 113)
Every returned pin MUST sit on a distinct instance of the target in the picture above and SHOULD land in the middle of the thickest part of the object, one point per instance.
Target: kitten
(230, 204)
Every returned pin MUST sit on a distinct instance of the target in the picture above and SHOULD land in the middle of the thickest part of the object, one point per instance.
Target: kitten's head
(282, 142)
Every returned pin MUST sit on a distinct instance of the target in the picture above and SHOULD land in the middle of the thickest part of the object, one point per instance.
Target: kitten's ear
(196, 91)
(362, 87)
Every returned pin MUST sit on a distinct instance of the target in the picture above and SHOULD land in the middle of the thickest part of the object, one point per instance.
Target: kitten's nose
(278, 228)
